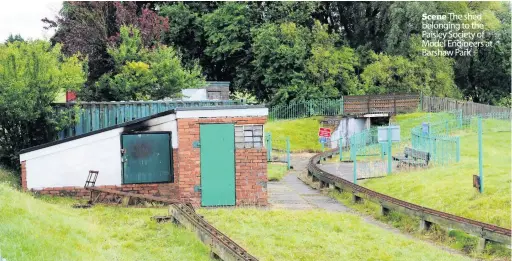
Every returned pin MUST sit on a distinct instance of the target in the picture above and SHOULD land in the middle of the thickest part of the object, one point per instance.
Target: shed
(207, 156)
(211, 91)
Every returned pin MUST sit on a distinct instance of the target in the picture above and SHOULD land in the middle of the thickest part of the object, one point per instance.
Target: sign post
(388, 135)
(324, 134)
(480, 155)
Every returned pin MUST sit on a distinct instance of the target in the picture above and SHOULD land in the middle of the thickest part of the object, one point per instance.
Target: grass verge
(449, 188)
(9, 177)
(303, 134)
(455, 239)
(317, 235)
(49, 229)
(276, 171)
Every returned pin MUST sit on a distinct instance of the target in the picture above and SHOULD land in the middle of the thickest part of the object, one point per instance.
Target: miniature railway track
(222, 246)
(477, 228)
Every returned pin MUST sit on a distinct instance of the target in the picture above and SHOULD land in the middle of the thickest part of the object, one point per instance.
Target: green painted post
(389, 151)
(457, 148)
(288, 152)
(323, 148)
(341, 148)
(480, 155)
(460, 119)
(354, 158)
(269, 146)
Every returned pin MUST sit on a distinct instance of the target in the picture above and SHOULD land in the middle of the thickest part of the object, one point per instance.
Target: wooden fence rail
(436, 104)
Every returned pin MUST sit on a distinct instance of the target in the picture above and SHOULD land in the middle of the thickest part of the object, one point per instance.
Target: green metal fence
(439, 138)
(92, 116)
(275, 155)
(295, 110)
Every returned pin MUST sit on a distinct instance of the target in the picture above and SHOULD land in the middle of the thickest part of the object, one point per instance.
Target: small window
(248, 136)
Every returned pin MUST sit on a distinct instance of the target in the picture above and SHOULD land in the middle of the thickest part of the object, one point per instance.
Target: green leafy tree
(280, 53)
(413, 73)
(144, 74)
(32, 74)
(332, 69)
(227, 32)
(14, 38)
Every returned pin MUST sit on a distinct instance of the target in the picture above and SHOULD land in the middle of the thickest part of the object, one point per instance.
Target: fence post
(389, 151)
(480, 155)
(288, 152)
(341, 148)
(342, 106)
(269, 146)
(460, 119)
(457, 144)
(354, 158)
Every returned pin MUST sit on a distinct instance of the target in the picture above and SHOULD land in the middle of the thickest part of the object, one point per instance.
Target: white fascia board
(243, 112)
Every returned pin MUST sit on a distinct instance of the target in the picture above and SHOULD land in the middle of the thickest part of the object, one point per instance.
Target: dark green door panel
(146, 158)
(217, 164)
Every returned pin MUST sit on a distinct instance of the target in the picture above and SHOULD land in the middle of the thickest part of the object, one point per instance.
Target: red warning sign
(324, 132)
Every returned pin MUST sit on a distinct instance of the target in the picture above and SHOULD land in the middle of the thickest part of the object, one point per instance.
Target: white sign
(383, 133)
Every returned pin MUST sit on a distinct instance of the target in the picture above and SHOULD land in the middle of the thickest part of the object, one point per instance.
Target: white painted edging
(242, 112)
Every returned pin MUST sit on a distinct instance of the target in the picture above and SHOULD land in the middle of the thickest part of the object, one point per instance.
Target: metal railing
(295, 110)
(91, 116)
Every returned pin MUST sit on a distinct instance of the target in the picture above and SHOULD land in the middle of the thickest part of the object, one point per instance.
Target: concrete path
(292, 193)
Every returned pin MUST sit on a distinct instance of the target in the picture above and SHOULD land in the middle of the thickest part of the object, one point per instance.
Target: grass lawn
(411, 120)
(450, 189)
(49, 229)
(276, 171)
(303, 134)
(316, 235)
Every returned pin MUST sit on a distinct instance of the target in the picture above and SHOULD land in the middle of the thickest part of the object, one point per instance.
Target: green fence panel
(93, 116)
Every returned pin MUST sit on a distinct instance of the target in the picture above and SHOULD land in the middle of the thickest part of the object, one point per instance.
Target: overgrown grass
(276, 171)
(49, 229)
(317, 235)
(303, 134)
(9, 177)
(450, 189)
(455, 239)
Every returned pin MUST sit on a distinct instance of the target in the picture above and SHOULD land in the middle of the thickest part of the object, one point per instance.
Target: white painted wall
(346, 128)
(68, 163)
(242, 112)
(194, 94)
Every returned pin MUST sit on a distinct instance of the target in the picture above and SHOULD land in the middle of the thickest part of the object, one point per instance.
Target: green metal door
(146, 158)
(217, 164)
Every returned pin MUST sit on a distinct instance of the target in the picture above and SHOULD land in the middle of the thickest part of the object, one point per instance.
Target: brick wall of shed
(250, 170)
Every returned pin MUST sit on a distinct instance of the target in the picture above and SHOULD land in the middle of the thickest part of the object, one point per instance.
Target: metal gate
(146, 157)
(217, 142)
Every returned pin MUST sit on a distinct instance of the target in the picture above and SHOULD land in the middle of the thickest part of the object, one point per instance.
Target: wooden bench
(413, 157)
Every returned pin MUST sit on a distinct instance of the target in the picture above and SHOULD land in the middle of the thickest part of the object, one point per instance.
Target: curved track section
(473, 227)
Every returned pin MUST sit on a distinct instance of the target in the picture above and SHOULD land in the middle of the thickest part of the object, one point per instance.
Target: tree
(412, 73)
(85, 27)
(151, 26)
(91, 27)
(186, 32)
(142, 73)
(227, 32)
(280, 53)
(14, 38)
(31, 76)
